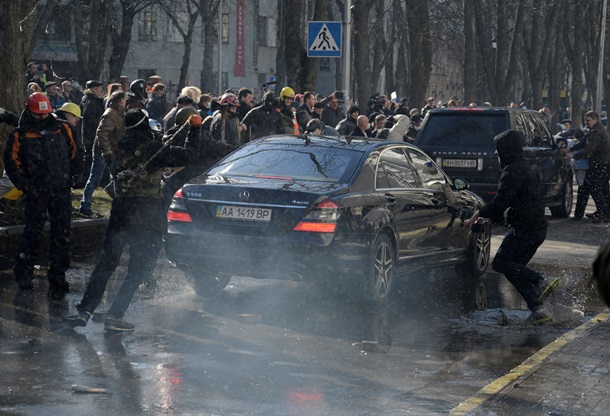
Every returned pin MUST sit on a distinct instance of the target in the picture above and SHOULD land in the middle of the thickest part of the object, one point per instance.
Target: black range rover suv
(461, 141)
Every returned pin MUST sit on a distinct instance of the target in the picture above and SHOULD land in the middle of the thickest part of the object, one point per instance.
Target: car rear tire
(208, 284)
(477, 254)
(567, 200)
(379, 273)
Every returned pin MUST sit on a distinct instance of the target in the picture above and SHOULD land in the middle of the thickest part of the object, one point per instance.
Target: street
(269, 347)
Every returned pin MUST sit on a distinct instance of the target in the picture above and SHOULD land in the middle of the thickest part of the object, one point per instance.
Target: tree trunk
(14, 46)
(312, 65)
(92, 35)
(295, 73)
(363, 75)
(280, 57)
(470, 52)
(401, 77)
(420, 49)
(538, 53)
(208, 9)
(574, 44)
(121, 39)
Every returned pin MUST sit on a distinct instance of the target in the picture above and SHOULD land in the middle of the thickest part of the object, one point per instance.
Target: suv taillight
(177, 210)
(323, 218)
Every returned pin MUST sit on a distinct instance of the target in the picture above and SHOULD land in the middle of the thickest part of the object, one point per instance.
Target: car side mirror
(460, 184)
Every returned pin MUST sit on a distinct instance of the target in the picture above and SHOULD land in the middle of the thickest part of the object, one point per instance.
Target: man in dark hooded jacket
(348, 124)
(137, 217)
(264, 120)
(518, 202)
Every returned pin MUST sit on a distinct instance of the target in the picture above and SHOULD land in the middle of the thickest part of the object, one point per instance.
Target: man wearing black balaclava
(264, 120)
(518, 203)
(137, 217)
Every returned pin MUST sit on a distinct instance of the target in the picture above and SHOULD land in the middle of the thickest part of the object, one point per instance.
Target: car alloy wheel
(383, 264)
(477, 254)
(567, 200)
(482, 250)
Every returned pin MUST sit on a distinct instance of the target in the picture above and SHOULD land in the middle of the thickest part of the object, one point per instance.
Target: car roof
(365, 144)
(481, 110)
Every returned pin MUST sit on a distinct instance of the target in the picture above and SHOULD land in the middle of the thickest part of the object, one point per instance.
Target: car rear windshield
(291, 162)
(462, 129)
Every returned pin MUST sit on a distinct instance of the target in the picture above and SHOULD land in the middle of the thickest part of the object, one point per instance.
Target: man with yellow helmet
(287, 111)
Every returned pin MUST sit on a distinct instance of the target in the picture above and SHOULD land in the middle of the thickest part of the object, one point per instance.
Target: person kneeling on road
(518, 202)
(137, 217)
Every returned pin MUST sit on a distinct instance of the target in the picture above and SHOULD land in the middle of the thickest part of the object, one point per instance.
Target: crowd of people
(142, 148)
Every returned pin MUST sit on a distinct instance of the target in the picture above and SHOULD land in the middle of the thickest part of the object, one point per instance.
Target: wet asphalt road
(283, 348)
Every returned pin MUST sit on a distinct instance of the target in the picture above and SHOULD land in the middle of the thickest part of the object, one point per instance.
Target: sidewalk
(570, 376)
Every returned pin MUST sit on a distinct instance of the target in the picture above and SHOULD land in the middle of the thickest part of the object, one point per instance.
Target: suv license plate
(243, 213)
(459, 163)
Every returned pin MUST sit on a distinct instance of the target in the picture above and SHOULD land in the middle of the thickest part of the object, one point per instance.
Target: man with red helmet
(225, 126)
(39, 156)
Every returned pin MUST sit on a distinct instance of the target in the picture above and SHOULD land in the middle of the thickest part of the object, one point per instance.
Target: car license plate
(243, 213)
(459, 163)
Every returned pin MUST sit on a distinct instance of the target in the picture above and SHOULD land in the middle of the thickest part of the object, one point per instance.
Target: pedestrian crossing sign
(324, 39)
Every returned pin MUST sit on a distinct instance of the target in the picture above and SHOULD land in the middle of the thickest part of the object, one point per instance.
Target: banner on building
(240, 42)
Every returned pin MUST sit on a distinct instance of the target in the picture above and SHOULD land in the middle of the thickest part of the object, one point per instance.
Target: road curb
(86, 235)
(528, 366)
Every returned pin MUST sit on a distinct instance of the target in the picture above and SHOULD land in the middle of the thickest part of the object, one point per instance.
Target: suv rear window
(462, 129)
(293, 162)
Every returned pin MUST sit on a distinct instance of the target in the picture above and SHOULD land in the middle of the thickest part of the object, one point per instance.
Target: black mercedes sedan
(352, 214)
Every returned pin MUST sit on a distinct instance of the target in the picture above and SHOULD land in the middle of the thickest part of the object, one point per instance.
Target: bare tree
(208, 9)
(123, 19)
(92, 29)
(183, 17)
(311, 65)
(363, 74)
(542, 23)
(470, 52)
(420, 48)
(574, 42)
(17, 19)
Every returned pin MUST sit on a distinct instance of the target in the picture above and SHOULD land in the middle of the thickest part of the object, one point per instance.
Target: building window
(148, 26)
(225, 28)
(261, 30)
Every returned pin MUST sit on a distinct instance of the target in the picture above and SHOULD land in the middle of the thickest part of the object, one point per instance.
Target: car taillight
(177, 210)
(323, 218)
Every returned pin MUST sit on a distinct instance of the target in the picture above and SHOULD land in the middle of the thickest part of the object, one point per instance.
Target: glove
(109, 159)
(195, 120)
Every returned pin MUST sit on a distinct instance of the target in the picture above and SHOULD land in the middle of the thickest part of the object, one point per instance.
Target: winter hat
(352, 109)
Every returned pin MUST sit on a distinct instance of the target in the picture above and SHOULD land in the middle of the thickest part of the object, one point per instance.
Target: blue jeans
(95, 177)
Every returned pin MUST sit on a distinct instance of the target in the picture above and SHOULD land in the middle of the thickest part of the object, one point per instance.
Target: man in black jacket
(137, 218)
(264, 120)
(518, 202)
(596, 147)
(38, 158)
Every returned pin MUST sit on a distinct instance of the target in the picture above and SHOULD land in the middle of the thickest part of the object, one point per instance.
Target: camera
(339, 95)
(39, 67)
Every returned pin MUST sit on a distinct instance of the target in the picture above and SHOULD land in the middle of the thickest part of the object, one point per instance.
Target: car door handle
(390, 198)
